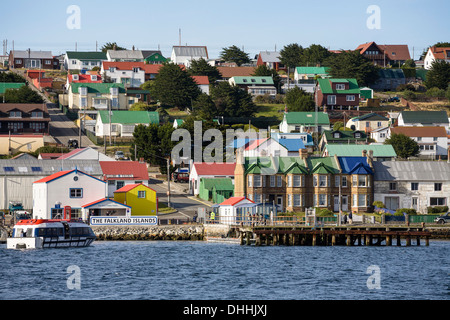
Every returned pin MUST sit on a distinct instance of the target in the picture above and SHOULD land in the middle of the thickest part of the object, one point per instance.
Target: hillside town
(356, 132)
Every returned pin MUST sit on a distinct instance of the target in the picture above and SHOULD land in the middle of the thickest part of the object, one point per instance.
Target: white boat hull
(42, 243)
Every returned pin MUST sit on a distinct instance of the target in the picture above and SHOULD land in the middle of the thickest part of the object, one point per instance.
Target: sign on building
(121, 221)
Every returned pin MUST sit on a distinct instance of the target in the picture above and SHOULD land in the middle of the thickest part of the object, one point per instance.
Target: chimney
(364, 153)
(141, 160)
(370, 158)
(303, 154)
(448, 155)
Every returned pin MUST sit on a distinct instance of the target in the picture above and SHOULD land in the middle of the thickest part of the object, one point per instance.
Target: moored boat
(40, 234)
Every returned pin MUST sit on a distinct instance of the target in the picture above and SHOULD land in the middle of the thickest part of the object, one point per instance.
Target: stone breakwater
(149, 233)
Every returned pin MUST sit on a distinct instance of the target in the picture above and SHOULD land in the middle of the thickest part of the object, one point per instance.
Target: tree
(232, 101)
(174, 86)
(264, 71)
(298, 100)
(403, 145)
(439, 75)
(204, 107)
(201, 67)
(291, 55)
(315, 54)
(352, 64)
(11, 77)
(22, 95)
(111, 46)
(234, 54)
(338, 125)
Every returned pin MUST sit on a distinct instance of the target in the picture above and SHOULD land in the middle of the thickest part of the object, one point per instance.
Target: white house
(209, 170)
(125, 55)
(380, 135)
(305, 122)
(185, 54)
(203, 83)
(85, 154)
(71, 188)
(77, 60)
(432, 141)
(130, 74)
(229, 212)
(269, 147)
(436, 53)
(423, 118)
(121, 123)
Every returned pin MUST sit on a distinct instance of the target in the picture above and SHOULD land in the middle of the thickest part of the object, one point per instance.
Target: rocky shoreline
(149, 233)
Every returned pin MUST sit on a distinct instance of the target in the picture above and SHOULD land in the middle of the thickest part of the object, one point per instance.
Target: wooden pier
(333, 236)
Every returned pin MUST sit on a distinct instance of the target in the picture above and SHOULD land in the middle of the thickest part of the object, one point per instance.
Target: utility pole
(168, 182)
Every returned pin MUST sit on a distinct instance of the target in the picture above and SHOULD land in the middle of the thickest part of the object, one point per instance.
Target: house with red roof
(209, 170)
(119, 174)
(130, 74)
(71, 188)
(203, 83)
(436, 54)
(235, 210)
(384, 55)
(90, 77)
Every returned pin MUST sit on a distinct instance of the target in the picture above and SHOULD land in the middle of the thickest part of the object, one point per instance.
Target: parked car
(443, 219)
(73, 144)
(180, 177)
(120, 155)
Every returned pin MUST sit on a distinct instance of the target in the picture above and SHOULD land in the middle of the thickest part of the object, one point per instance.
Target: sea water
(215, 271)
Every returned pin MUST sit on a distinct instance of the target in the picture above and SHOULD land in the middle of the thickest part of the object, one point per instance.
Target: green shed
(216, 190)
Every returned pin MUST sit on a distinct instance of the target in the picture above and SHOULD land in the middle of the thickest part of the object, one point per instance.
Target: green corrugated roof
(325, 86)
(312, 70)
(97, 87)
(424, 116)
(355, 150)
(253, 80)
(293, 165)
(130, 117)
(9, 85)
(307, 118)
(345, 135)
(217, 183)
(86, 55)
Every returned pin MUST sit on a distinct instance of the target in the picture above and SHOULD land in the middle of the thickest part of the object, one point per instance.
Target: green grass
(273, 111)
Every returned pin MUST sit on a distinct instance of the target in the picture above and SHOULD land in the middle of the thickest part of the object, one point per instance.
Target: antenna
(180, 37)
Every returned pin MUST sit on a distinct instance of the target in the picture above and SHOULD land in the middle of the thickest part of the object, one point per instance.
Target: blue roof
(292, 144)
(354, 165)
(238, 143)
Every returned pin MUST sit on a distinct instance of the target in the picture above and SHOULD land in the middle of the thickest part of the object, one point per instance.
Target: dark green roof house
(76, 60)
(423, 118)
(304, 122)
(10, 85)
(337, 93)
(342, 137)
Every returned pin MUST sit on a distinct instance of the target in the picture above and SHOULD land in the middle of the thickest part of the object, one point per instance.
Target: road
(185, 205)
(62, 129)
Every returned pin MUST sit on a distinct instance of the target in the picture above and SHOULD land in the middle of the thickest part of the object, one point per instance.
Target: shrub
(379, 204)
(435, 92)
(409, 95)
(400, 212)
(437, 209)
(324, 213)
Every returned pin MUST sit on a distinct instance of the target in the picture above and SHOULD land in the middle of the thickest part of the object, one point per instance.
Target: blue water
(209, 271)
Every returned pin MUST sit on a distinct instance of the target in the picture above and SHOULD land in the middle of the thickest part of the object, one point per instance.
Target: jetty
(332, 235)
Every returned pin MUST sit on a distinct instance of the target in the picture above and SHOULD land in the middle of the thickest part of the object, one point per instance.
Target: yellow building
(142, 199)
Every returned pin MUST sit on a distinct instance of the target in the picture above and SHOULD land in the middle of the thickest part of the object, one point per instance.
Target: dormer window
(114, 91)
(37, 114)
(336, 135)
(93, 77)
(340, 86)
(263, 80)
(75, 77)
(357, 135)
(253, 80)
(244, 80)
(15, 114)
(136, 70)
(83, 91)
(112, 69)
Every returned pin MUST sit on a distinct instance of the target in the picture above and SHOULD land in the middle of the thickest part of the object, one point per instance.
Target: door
(344, 203)
(415, 203)
(280, 202)
(336, 204)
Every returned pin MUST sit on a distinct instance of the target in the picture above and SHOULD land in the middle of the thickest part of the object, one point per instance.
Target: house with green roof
(424, 118)
(82, 60)
(297, 183)
(255, 85)
(123, 122)
(342, 137)
(216, 190)
(10, 85)
(311, 73)
(305, 122)
(379, 152)
(337, 93)
(97, 96)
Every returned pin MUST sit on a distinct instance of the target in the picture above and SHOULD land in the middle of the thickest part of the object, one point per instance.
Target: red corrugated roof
(215, 169)
(130, 187)
(101, 200)
(152, 68)
(201, 80)
(84, 78)
(53, 176)
(124, 170)
(70, 154)
(123, 65)
(233, 201)
(255, 143)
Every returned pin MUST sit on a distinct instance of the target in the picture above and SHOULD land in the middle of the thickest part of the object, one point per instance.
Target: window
(37, 114)
(83, 91)
(120, 184)
(414, 186)
(297, 202)
(361, 200)
(250, 181)
(15, 114)
(272, 181)
(142, 194)
(36, 169)
(357, 135)
(257, 181)
(48, 62)
(114, 102)
(297, 181)
(340, 86)
(392, 186)
(322, 181)
(337, 181)
(362, 181)
(257, 198)
(289, 181)
(76, 193)
(350, 98)
(438, 187)
(322, 200)
(83, 102)
(136, 70)
(331, 100)
(279, 181)
(336, 135)
(438, 201)
(379, 124)
(8, 169)
(344, 182)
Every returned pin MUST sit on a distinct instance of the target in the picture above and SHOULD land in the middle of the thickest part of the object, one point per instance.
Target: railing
(265, 220)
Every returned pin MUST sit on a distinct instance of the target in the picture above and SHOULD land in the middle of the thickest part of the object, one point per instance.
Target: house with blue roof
(276, 148)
